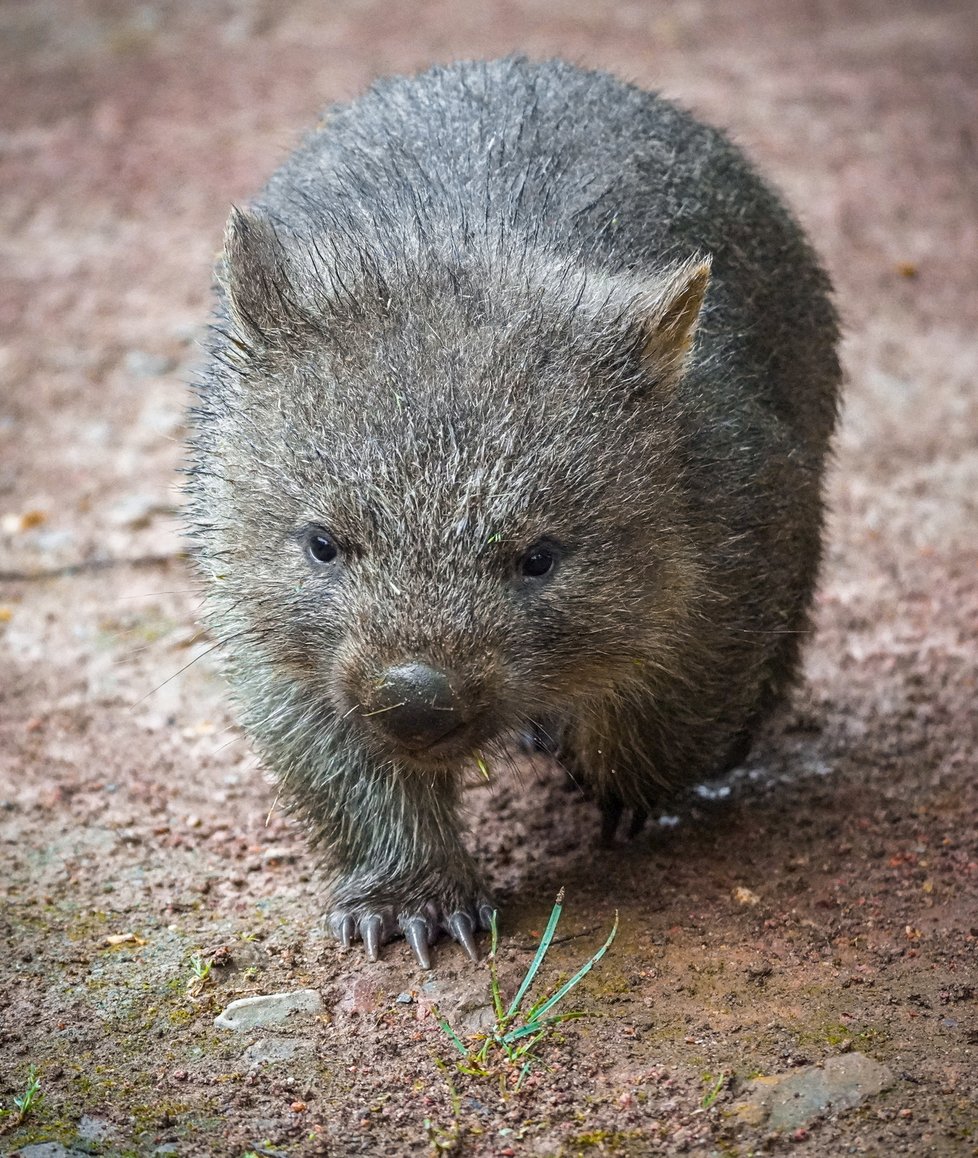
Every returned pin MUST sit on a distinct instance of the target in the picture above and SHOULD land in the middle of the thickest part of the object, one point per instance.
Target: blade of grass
(548, 1003)
(541, 1026)
(523, 1072)
(443, 1022)
(541, 952)
(714, 1092)
(497, 997)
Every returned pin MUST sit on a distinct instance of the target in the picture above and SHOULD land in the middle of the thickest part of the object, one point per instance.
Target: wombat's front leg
(392, 838)
(418, 903)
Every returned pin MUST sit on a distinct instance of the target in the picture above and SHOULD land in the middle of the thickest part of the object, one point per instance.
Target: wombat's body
(486, 446)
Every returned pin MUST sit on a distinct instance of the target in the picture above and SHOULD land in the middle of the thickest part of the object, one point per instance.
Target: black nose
(415, 704)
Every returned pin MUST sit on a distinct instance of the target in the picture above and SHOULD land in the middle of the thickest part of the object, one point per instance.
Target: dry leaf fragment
(745, 896)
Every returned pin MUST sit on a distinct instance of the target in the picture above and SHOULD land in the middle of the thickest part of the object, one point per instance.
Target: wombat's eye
(320, 546)
(538, 561)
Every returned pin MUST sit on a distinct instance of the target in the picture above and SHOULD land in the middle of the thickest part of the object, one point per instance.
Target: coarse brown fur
(518, 398)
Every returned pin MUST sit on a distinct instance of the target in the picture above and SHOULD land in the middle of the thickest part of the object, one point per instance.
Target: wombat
(514, 421)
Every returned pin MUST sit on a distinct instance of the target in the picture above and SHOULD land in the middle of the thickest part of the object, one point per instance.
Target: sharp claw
(416, 935)
(342, 928)
(460, 927)
(371, 929)
(485, 916)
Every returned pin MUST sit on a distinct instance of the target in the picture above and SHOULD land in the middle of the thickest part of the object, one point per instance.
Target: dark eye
(538, 561)
(320, 546)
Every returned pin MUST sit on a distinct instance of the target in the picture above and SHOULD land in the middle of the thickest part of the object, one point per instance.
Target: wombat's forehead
(419, 458)
(427, 487)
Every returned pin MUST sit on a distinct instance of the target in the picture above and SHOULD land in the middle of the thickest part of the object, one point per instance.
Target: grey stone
(95, 1129)
(475, 1017)
(270, 1009)
(267, 1050)
(793, 1100)
(462, 1000)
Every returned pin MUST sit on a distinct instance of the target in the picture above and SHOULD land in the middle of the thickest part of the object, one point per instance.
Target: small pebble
(745, 896)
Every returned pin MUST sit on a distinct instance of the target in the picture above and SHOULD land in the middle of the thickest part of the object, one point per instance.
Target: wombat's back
(491, 155)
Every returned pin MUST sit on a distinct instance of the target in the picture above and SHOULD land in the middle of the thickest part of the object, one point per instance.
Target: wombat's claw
(460, 927)
(420, 926)
(372, 933)
(343, 930)
(416, 935)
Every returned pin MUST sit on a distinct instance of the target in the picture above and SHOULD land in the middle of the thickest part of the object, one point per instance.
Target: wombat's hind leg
(639, 818)
(738, 752)
(612, 809)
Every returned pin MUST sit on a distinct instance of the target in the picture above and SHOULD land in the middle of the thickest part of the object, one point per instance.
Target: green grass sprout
(30, 1099)
(714, 1091)
(201, 969)
(518, 1031)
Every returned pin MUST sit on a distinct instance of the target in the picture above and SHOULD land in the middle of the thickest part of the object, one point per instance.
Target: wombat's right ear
(255, 272)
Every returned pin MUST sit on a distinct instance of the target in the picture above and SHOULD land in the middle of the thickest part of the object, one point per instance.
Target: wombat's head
(441, 495)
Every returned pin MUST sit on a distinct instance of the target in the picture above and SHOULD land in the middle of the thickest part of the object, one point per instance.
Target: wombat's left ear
(668, 323)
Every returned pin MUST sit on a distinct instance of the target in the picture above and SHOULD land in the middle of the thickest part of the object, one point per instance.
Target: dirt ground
(818, 909)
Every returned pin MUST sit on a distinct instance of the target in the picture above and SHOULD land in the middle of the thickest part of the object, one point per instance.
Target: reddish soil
(824, 903)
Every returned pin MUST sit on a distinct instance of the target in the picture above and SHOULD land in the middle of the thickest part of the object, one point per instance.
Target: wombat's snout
(415, 705)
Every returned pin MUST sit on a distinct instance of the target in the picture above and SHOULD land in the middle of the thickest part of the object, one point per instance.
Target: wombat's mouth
(460, 743)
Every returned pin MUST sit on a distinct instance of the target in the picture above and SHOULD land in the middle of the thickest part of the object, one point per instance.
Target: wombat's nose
(415, 704)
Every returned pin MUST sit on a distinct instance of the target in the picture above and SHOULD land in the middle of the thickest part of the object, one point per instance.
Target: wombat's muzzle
(415, 705)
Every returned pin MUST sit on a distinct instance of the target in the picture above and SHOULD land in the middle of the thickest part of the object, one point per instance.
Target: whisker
(153, 692)
(155, 594)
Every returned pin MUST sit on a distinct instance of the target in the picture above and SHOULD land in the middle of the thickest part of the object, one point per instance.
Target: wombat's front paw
(419, 922)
